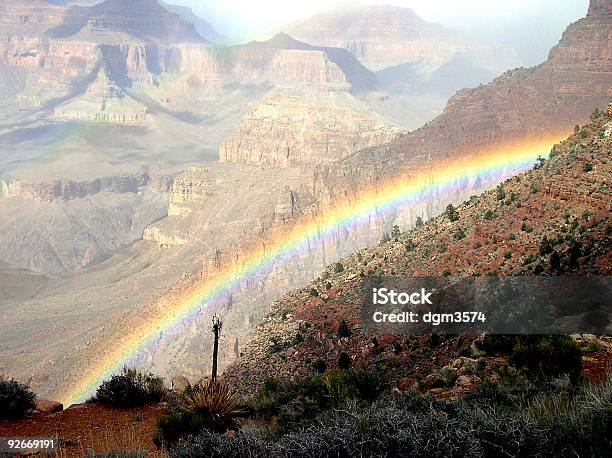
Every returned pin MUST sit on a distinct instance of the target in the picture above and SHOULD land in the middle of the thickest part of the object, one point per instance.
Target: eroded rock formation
(287, 130)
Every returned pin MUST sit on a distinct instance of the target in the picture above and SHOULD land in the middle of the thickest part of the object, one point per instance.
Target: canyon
(406, 52)
(110, 173)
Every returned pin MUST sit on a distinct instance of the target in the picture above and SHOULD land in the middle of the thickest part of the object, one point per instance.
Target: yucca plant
(214, 400)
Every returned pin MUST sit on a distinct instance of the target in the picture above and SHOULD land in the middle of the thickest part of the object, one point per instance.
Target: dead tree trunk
(217, 324)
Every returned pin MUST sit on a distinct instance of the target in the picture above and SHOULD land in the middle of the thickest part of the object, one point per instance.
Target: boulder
(180, 383)
(467, 382)
(47, 406)
(464, 365)
(406, 384)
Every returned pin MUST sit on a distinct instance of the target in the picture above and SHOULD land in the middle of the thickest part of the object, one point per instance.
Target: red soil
(90, 426)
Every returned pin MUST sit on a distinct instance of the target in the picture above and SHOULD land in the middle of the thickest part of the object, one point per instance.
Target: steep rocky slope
(506, 124)
(565, 200)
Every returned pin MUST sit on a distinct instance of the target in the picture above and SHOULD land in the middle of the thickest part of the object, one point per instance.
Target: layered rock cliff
(68, 190)
(145, 19)
(301, 331)
(287, 130)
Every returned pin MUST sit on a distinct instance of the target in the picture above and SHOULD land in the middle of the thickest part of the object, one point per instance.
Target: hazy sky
(531, 25)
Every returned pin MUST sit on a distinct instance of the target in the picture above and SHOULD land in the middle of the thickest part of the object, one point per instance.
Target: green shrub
(545, 246)
(369, 385)
(338, 268)
(460, 233)
(171, 428)
(320, 366)
(549, 354)
(339, 387)
(515, 417)
(273, 394)
(528, 259)
(395, 232)
(15, 399)
(500, 192)
(493, 344)
(344, 361)
(344, 330)
(489, 215)
(131, 388)
(296, 340)
(213, 445)
(451, 213)
(580, 424)
(555, 262)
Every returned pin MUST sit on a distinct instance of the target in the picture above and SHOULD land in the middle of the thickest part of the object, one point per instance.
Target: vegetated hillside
(553, 219)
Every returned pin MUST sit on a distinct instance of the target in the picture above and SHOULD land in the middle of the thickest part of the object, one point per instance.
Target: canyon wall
(65, 235)
(289, 130)
(62, 190)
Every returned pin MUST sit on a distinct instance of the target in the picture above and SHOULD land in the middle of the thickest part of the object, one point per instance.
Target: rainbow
(379, 200)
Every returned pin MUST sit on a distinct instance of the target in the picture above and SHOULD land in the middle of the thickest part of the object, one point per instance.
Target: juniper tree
(451, 213)
(395, 232)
